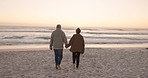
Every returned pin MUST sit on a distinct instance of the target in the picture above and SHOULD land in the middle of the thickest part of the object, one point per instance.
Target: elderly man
(57, 41)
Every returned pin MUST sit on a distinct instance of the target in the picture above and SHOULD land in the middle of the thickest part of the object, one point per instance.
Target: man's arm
(70, 42)
(51, 41)
(65, 39)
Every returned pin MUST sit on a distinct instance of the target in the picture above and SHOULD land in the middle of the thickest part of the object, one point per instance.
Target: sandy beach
(94, 63)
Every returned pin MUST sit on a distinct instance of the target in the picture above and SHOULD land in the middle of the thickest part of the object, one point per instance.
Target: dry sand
(94, 63)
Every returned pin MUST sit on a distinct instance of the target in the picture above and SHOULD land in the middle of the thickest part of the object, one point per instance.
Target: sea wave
(37, 36)
(120, 33)
(14, 37)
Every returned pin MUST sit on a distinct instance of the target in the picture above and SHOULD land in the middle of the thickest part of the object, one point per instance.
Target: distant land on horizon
(64, 27)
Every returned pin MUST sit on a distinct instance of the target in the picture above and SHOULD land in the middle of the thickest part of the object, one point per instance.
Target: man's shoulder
(53, 31)
(58, 31)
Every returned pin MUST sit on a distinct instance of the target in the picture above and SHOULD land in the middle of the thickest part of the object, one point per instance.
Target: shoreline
(95, 46)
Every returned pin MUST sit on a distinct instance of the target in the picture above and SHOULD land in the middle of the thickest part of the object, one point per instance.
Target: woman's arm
(70, 42)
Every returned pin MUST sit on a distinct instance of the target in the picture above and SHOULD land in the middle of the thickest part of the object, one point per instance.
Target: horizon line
(84, 27)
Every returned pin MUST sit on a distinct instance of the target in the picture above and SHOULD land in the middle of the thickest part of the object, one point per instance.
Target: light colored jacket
(77, 43)
(58, 39)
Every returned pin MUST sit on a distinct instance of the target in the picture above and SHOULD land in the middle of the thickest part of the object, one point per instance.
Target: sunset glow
(83, 13)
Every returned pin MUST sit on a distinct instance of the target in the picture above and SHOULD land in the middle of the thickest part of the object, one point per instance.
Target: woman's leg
(78, 58)
(73, 57)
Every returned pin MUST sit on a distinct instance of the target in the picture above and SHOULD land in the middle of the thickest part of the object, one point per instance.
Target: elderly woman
(77, 46)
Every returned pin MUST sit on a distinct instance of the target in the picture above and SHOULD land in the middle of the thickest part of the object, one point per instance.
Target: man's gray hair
(58, 26)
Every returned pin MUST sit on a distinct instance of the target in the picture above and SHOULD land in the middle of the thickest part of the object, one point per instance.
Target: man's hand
(50, 48)
(66, 46)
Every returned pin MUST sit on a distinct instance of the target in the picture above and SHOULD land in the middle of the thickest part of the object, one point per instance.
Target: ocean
(94, 37)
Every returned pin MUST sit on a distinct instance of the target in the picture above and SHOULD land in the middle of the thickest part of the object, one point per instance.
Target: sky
(75, 13)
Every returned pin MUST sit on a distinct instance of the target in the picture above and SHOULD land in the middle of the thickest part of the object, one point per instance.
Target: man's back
(58, 38)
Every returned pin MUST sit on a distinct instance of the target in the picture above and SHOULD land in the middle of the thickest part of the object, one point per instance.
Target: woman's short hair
(78, 30)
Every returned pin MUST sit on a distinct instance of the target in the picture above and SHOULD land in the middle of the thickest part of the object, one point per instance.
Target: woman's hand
(66, 46)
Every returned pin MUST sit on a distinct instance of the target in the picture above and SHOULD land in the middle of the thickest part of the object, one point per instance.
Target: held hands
(66, 46)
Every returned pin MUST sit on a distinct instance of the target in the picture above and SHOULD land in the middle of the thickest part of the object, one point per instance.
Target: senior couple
(58, 39)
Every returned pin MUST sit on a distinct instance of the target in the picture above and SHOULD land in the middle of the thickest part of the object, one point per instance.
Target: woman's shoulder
(78, 36)
(74, 34)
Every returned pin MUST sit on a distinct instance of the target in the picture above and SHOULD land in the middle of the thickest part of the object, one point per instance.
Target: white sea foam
(41, 36)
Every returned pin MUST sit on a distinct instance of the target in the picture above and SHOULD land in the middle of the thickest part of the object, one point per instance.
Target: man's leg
(56, 57)
(59, 58)
(60, 52)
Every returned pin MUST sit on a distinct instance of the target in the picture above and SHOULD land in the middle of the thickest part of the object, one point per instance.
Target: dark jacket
(77, 43)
